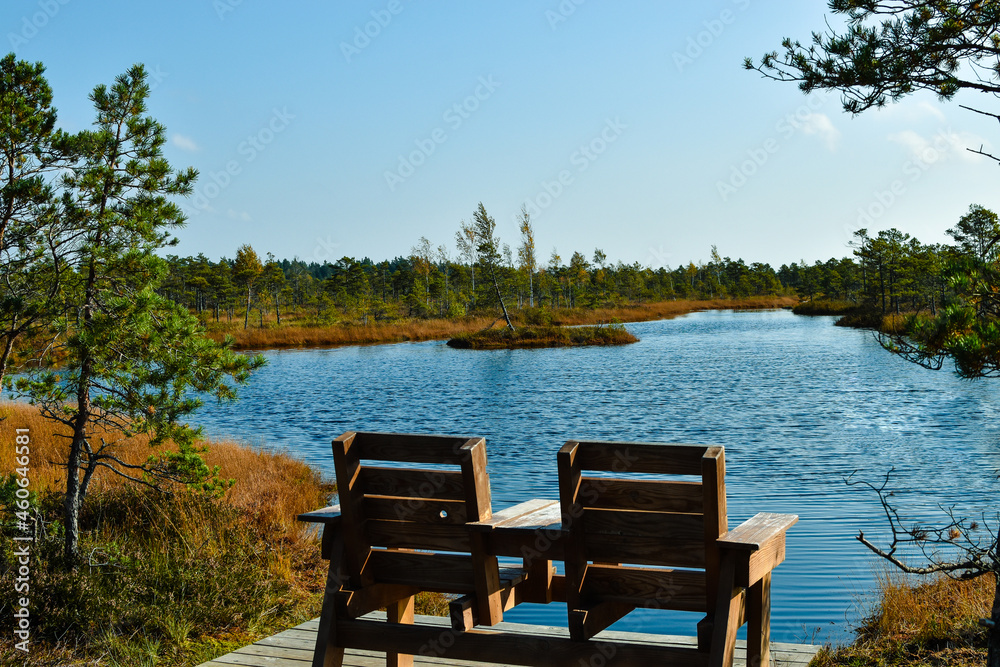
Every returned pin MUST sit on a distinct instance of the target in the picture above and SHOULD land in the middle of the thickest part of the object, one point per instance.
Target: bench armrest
(759, 544)
(326, 516)
(757, 532)
(527, 515)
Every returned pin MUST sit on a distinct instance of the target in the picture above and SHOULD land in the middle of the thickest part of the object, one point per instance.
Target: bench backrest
(405, 525)
(619, 525)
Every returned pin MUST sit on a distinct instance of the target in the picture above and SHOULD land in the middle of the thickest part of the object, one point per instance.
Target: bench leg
(759, 623)
(728, 613)
(400, 612)
(539, 584)
(327, 653)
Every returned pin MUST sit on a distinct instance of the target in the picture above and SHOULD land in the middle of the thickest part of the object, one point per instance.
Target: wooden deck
(294, 648)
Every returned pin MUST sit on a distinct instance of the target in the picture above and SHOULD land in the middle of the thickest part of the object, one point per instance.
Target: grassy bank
(301, 333)
(929, 623)
(854, 316)
(167, 579)
(825, 307)
(544, 336)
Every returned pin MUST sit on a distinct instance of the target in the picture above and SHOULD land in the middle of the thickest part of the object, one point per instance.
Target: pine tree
(132, 357)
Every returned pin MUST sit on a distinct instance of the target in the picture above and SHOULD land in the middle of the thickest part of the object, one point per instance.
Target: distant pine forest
(889, 272)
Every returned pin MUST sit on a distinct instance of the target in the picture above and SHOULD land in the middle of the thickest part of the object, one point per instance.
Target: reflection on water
(798, 404)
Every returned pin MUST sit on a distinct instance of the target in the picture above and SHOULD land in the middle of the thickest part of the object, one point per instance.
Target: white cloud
(944, 143)
(932, 110)
(238, 215)
(819, 124)
(185, 143)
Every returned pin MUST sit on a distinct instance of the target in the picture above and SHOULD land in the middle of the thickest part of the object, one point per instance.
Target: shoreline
(302, 335)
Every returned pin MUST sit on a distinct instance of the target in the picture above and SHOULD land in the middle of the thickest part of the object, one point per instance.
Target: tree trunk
(71, 503)
(8, 349)
(74, 496)
(496, 286)
(246, 316)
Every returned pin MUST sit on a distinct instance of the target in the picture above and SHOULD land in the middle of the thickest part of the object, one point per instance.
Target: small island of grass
(543, 336)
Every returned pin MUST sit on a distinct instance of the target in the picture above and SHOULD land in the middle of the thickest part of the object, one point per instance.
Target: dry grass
(272, 487)
(930, 623)
(187, 578)
(825, 307)
(665, 310)
(544, 336)
(295, 334)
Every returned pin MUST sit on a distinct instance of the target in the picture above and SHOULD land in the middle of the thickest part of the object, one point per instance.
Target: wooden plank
(489, 592)
(762, 537)
(575, 554)
(728, 613)
(641, 495)
(329, 514)
(429, 510)
(528, 543)
(650, 538)
(764, 561)
(713, 477)
(639, 457)
(413, 535)
(399, 612)
(536, 513)
(447, 573)
(278, 654)
(645, 551)
(587, 622)
(303, 637)
(305, 632)
(682, 590)
(476, 481)
(759, 622)
(671, 526)
(409, 448)
(517, 650)
(327, 653)
(755, 532)
(486, 577)
(415, 483)
(371, 598)
(464, 611)
(348, 468)
(538, 588)
(253, 660)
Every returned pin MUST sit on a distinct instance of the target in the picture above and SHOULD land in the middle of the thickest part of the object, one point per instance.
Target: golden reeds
(929, 621)
(296, 333)
(273, 487)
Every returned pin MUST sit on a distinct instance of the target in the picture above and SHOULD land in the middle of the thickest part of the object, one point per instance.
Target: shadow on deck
(294, 648)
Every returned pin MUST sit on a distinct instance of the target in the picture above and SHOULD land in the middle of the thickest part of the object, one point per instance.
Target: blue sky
(324, 129)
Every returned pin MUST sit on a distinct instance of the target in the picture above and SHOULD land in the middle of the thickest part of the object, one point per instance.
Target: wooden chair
(625, 542)
(401, 530)
(617, 526)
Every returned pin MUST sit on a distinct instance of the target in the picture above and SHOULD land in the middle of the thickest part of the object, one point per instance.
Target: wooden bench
(628, 538)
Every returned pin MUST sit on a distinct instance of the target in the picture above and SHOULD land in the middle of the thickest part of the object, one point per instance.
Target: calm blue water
(798, 404)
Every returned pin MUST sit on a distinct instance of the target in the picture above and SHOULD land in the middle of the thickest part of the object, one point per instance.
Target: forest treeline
(888, 272)
(432, 286)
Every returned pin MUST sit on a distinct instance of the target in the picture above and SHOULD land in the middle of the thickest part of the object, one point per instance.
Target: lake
(798, 404)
